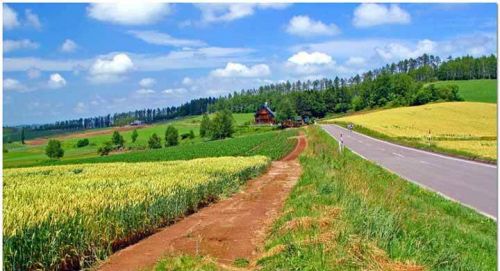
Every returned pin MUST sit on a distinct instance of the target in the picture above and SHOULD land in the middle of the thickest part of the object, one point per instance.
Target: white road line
(397, 154)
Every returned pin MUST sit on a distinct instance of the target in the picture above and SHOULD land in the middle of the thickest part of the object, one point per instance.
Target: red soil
(227, 230)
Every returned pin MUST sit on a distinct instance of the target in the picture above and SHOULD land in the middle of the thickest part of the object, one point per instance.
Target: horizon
(82, 63)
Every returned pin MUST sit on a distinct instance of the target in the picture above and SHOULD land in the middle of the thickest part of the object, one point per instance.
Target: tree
(22, 136)
(134, 135)
(191, 134)
(286, 110)
(82, 143)
(54, 149)
(154, 141)
(105, 149)
(222, 125)
(171, 136)
(117, 139)
(204, 125)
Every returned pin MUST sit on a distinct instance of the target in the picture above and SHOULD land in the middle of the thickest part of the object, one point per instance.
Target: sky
(66, 61)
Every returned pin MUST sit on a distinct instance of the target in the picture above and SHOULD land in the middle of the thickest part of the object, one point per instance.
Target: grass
(346, 213)
(23, 155)
(273, 144)
(466, 129)
(484, 90)
(186, 263)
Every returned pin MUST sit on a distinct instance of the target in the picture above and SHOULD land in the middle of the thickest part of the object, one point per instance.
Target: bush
(105, 149)
(54, 149)
(205, 126)
(184, 136)
(171, 136)
(82, 143)
(191, 134)
(117, 139)
(222, 125)
(134, 135)
(154, 142)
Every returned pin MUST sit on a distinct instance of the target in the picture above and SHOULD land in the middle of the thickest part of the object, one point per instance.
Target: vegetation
(117, 139)
(204, 125)
(171, 136)
(89, 211)
(82, 143)
(134, 135)
(484, 90)
(186, 263)
(105, 149)
(54, 149)
(222, 125)
(346, 213)
(467, 129)
(154, 142)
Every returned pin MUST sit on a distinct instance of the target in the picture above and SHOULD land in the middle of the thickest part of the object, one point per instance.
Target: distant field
(69, 215)
(19, 154)
(483, 90)
(462, 128)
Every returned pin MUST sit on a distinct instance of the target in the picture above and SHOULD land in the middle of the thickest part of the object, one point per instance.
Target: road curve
(471, 183)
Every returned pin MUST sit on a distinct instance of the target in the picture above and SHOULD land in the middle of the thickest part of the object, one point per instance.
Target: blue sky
(65, 61)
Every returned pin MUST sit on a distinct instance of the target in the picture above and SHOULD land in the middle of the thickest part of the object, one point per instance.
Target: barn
(265, 115)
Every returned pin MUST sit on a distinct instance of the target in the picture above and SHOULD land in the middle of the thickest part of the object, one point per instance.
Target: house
(136, 123)
(265, 115)
(294, 122)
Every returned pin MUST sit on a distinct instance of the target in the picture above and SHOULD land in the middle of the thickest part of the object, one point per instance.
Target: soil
(84, 134)
(230, 229)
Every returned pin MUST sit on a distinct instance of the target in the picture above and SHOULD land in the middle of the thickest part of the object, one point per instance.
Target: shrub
(205, 126)
(54, 149)
(171, 136)
(154, 142)
(82, 143)
(191, 134)
(184, 136)
(105, 149)
(117, 139)
(222, 125)
(134, 135)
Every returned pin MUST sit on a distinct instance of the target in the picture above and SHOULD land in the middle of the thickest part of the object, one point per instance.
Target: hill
(483, 90)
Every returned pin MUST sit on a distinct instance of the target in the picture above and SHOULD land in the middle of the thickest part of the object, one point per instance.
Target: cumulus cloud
(13, 84)
(110, 69)
(10, 20)
(12, 45)
(367, 15)
(305, 58)
(240, 70)
(147, 82)
(129, 13)
(307, 27)
(158, 38)
(56, 81)
(32, 19)
(145, 91)
(229, 12)
(397, 51)
(68, 46)
(187, 81)
(174, 91)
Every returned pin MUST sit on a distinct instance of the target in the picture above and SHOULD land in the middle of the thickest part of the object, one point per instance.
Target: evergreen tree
(134, 135)
(54, 149)
(117, 139)
(171, 136)
(204, 125)
(154, 141)
(22, 136)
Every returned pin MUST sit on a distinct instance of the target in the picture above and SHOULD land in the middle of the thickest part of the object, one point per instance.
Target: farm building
(137, 123)
(265, 115)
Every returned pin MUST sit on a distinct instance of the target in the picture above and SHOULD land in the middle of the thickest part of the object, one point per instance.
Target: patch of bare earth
(230, 229)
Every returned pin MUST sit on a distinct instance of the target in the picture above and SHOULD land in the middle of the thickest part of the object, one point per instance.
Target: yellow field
(88, 210)
(464, 126)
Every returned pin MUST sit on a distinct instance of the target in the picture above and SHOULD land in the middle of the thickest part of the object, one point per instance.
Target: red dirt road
(227, 230)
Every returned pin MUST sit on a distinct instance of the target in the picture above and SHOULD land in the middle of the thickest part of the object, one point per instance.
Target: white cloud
(145, 91)
(110, 69)
(13, 84)
(147, 82)
(32, 19)
(240, 70)
(306, 27)
(398, 51)
(229, 12)
(68, 46)
(174, 91)
(305, 58)
(356, 61)
(12, 45)
(129, 13)
(33, 73)
(366, 15)
(56, 81)
(159, 38)
(187, 81)
(10, 20)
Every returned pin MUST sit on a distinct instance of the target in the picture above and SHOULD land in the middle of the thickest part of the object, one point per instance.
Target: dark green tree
(154, 141)
(105, 149)
(54, 149)
(191, 134)
(117, 139)
(204, 125)
(134, 135)
(222, 125)
(22, 136)
(171, 136)
(286, 110)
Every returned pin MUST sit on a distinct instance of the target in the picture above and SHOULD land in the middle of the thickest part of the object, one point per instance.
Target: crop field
(28, 154)
(273, 144)
(463, 128)
(484, 90)
(58, 217)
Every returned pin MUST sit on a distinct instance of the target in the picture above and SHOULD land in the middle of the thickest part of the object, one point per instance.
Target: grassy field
(57, 217)
(466, 129)
(20, 155)
(346, 213)
(483, 90)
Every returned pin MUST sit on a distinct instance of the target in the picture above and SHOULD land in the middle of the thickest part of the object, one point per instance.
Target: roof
(264, 106)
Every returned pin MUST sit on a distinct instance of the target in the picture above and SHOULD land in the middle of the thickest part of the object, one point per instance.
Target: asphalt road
(471, 183)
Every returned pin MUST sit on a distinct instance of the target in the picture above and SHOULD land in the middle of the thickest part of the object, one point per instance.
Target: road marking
(397, 154)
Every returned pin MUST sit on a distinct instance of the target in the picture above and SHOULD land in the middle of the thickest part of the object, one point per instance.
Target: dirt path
(227, 230)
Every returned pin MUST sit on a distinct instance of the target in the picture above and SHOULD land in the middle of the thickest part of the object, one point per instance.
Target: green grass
(25, 155)
(186, 263)
(483, 90)
(346, 213)
(274, 144)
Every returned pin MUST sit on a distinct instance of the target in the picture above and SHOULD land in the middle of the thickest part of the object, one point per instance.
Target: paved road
(470, 183)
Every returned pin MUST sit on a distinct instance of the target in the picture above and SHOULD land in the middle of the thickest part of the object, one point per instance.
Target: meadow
(67, 217)
(466, 129)
(482, 90)
(346, 213)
